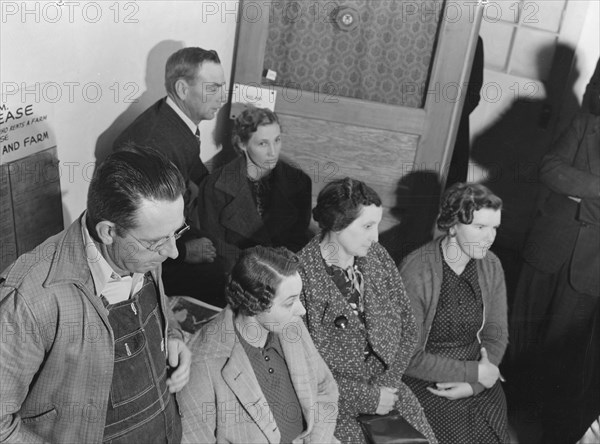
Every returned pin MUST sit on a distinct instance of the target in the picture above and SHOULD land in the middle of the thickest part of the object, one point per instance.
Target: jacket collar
(240, 378)
(69, 256)
(382, 318)
(188, 122)
(299, 370)
(69, 262)
(240, 215)
(381, 327)
(591, 143)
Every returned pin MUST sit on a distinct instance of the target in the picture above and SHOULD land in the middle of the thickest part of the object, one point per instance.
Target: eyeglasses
(155, 246)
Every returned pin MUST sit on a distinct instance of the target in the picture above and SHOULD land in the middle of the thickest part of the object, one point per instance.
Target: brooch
(341, 322)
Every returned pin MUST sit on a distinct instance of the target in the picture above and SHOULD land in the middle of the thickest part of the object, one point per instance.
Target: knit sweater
(422, 274)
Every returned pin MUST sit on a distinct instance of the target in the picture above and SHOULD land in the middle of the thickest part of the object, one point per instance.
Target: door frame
(436, 123)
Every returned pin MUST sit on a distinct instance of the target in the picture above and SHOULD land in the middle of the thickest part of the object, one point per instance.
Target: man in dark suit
(556, 313)
(194, 80)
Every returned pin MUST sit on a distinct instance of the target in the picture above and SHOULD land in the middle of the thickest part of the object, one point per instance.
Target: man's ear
(106, 231)
(181, 88)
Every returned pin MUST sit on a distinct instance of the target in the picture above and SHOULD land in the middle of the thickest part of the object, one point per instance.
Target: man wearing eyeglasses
(194, 81)
(87, 351)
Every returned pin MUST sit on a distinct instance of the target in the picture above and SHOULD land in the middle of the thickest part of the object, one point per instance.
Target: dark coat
(390, 330)
(228, 214)
(564, 229)
(161, 128)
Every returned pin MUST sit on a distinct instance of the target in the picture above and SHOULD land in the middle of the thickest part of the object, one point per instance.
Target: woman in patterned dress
(456, 287)
(357, 311)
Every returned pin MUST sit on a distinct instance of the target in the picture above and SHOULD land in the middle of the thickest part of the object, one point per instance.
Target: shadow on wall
(222, 137)
(511, 151)
(417, 203)
(155, 89)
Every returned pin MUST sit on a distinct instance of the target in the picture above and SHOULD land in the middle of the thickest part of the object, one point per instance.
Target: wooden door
(329, 131)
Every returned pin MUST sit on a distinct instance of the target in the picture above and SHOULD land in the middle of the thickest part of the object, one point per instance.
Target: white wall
(583, 33)
(97, 55)
(588, 49)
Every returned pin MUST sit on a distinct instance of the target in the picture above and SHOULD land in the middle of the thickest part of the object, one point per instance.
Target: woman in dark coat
(457, 290)
(357, 311)
(256, 199)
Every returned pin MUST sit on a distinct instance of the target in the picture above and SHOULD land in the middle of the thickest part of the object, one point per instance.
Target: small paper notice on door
(254, 95)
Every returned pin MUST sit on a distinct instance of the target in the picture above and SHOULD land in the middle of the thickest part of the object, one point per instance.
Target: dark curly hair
(248, 121)
(461, 200)
(256, 276)
(339, 203)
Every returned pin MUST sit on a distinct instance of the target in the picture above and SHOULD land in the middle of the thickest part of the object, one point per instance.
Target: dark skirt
(554, 359)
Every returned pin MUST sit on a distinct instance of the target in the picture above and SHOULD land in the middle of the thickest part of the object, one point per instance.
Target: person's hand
(452, 390)
(387, 400)
(487, 373)
(180, 359)
(200, 250)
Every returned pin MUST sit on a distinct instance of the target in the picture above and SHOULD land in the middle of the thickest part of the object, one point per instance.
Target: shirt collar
(191, 125)
(272, 342)
(102, 272)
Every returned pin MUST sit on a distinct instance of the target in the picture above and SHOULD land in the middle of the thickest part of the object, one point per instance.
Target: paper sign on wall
(253, 95)
(25, 127)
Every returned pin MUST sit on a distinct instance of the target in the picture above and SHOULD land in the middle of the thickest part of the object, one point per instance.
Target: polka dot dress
(477, 419)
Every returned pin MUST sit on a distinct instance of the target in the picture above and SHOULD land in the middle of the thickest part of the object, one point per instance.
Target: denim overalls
(140, 407)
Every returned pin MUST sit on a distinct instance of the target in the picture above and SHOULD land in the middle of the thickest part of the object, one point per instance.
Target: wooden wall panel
(37, 204)
(31, 203)
(329, 150)
(8, 240)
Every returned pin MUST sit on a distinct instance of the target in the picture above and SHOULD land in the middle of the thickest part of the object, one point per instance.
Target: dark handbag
(389, 429)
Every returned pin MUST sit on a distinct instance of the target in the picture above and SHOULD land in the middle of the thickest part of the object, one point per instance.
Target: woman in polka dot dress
(357, 311)
(456, 287)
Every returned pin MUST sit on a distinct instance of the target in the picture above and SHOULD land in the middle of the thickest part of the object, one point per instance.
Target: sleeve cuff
(181, 249)
(472, 371)
(477, 388)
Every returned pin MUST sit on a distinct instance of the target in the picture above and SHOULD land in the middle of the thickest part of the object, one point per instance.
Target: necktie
(198, 135)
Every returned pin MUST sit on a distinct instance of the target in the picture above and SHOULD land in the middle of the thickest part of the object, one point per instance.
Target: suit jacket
(160, 127)
(223, 401)
(56, 353)
(390, 330)
(564, 229)
(228, 214)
